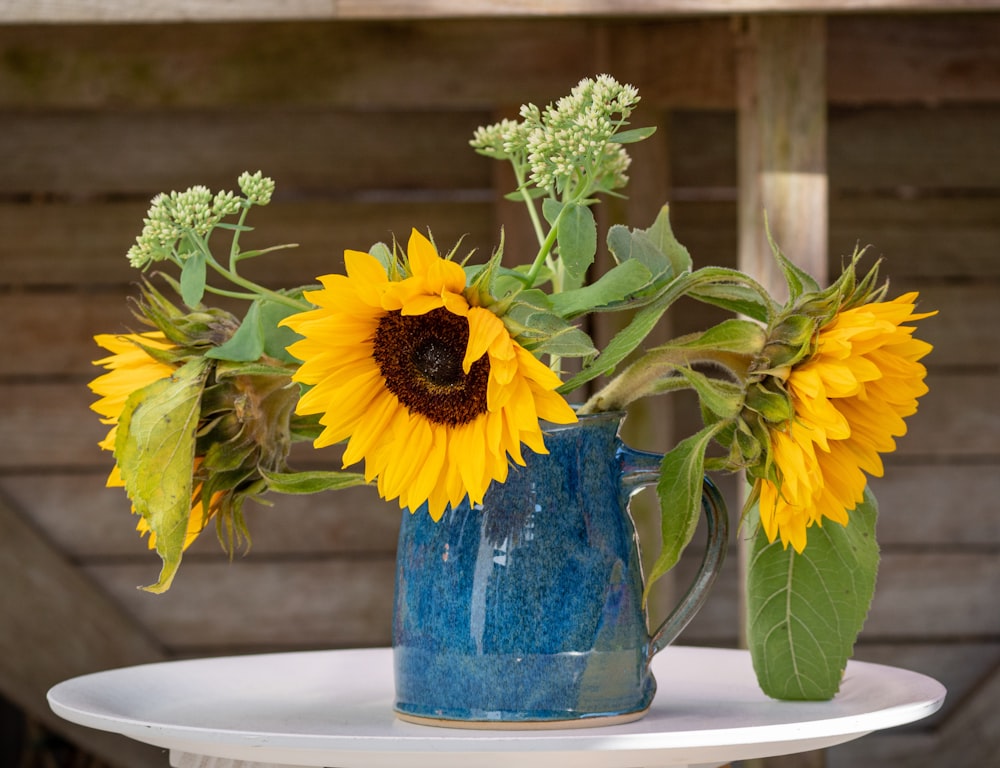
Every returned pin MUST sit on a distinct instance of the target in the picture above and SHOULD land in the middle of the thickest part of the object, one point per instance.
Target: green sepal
(723, 399)
(738, 298)
(775, 407)
(805, 611)
(798, 280)
(682, 475)
(155, 451)
(310, 482)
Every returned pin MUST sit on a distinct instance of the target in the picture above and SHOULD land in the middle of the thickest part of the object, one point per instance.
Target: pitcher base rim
(524, 725)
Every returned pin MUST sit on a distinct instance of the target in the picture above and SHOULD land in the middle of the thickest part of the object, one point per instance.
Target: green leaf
(155, 449)
(532, 322)
(277, 338)
(632, 136)
(733, 297)
(259, 334)
(632, 335)
(682, 475)
(247, 344)
(805, 611)
(310, 482)
(193, 279)
(577, 240)
(615, 285)
(626, 245)
(661, 235)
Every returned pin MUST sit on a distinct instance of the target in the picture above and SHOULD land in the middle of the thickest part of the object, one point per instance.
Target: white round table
(334, 708)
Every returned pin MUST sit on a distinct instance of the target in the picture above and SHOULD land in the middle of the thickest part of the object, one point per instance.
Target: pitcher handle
(639, 470)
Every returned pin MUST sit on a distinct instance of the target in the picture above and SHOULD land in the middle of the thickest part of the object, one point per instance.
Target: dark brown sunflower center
(420, 357)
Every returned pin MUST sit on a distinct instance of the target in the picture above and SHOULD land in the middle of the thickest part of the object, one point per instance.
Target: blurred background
(364, 124)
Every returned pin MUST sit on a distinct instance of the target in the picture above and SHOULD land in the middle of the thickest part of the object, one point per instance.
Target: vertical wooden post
(781, 87)
(781, 81)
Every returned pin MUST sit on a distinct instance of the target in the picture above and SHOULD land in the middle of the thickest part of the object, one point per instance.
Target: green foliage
(682, 475)
(259, 334)
(155, 450)
(804, 611)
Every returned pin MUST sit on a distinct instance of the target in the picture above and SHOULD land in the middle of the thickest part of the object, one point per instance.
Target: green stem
(536, 222)
(258, 290)
(646, 376)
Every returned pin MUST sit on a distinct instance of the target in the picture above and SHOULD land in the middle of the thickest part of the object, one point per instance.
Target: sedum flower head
(175, 220)
(257, 187)
(573, 137)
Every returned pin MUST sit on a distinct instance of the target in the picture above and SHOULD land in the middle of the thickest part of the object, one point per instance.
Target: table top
(335, 708)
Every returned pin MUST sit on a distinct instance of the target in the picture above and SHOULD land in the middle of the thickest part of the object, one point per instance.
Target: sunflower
(850, 397)
(130, 368)
(430, 390)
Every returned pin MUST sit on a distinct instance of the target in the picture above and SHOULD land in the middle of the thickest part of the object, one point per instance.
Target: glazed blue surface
(529, 607)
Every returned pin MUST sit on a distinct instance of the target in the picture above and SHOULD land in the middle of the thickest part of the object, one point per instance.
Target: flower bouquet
(436, 370)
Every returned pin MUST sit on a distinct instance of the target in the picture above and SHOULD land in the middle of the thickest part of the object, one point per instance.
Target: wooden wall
(364, 126)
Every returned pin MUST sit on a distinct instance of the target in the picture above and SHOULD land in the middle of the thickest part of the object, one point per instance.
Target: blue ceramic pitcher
(526, 611)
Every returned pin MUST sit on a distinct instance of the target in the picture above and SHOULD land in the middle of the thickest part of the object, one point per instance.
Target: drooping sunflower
(850, 398)
(429, 390)
(130, 368)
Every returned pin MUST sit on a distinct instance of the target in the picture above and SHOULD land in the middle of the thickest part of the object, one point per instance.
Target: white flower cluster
(571, 143)
(257, 187)
(195, 211)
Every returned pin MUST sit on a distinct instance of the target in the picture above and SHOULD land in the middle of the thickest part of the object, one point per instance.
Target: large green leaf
(155, 451)
(682, 475)
(804, 611)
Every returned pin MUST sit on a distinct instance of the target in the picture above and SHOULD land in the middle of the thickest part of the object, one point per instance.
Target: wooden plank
(872, 58)
(419, 65)
(145, 152)
(89, 11)
(259, 603)
(901, 150)
(58, 625)
(87, 521)
(782, 146)
(913, 58)
(936, 595)
(938, 504)
(70, 244)
(905, 150)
